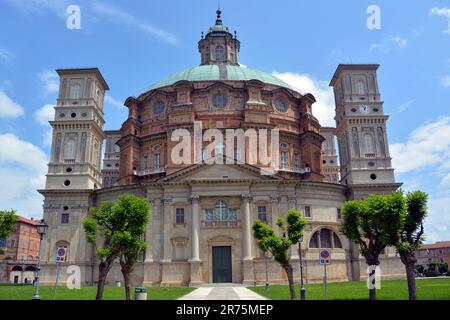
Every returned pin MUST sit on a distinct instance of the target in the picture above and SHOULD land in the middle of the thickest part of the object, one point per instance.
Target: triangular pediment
(220, 172)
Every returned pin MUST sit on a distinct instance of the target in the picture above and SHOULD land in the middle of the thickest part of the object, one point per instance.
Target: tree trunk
(372, 260)
(409, 260)
(103, 270)
(101, 281)
(290, 275)
(126, 277)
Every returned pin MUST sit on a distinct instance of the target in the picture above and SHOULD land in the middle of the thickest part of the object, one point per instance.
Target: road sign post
(325, 259)
(61, 253)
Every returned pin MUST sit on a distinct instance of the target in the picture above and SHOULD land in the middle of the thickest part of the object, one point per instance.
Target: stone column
(292, 205)
(195, 228)
(248, 272)
(152, 230)
(195, 262)
(246, 228)
(274, 200)
(167, 221)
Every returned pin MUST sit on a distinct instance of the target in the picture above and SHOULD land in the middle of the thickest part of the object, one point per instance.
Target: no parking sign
(61, 253)
(325, 257)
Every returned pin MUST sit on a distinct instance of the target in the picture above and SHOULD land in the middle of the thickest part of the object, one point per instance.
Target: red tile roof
(437, 245)
(27, 221)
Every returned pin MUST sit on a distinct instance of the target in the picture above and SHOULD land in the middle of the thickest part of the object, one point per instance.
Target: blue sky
(138, 43)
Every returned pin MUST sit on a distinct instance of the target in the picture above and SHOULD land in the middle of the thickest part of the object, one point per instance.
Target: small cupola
(219, 46)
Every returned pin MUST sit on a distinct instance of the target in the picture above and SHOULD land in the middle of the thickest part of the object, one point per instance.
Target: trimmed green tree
(7, 223)
(134, 243)
(279, 245)
(111, 230)
(373, 223)
(411, 236)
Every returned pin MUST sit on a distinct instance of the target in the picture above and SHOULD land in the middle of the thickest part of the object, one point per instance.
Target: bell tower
(365, 162)
(77, 131)
(74, 167)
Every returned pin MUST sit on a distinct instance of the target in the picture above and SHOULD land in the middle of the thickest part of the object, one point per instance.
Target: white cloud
(442, 12)
(445, 81)
(437, 224)
(405, 106)
(428, 146)
(389, 43)
(323, 109)
(117, 15)
(50, 80)
(446, 181)
(32, 7)
(45, 114)
(113, 102)
(9, 108)
(22, 169)
(5, 54)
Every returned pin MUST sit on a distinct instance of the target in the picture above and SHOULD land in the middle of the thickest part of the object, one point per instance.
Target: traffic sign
(61, 253)
(325, 257)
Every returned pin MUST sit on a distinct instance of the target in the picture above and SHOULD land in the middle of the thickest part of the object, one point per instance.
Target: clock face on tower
(364, 109)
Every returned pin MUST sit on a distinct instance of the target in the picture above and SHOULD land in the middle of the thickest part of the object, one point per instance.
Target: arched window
(75, 91)
(221, 212)
(325, 238)
(314, 242)
(70, 149)
(337, 241)
(220, 53)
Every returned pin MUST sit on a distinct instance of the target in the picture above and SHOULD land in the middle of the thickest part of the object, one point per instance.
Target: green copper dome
(219, 73)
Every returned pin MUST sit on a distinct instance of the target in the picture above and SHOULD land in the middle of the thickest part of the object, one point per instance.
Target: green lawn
(21, 292)
(427, 289)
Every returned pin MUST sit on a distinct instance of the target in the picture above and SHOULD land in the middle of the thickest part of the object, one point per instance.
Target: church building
(202, 212)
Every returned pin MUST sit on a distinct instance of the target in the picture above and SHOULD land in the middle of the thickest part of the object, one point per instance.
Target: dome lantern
(219, 46)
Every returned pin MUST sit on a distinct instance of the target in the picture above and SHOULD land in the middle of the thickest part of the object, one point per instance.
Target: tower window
(220, 53)
(308, 211)
(75, 91)
(65, 218)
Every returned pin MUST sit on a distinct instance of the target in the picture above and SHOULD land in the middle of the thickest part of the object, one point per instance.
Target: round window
(67, 183)
(69, 170)
(373, 176)
(73, 115)
(371, 164)
(66, 208)
(220, 100)
(62, 115)
(159, 107)
(280, 105)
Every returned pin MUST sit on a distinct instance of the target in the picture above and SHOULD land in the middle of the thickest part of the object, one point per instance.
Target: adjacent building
(433, 253)
(203, 210)
(21, 250)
